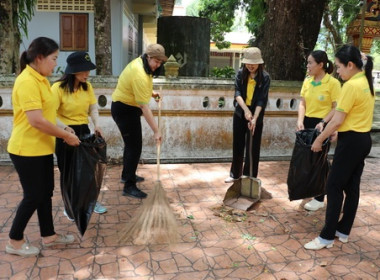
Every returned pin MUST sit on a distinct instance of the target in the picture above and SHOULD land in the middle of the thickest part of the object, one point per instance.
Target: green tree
(337, 16)
(102, 25)
(285, 31)
(14, 17)
(193, 9)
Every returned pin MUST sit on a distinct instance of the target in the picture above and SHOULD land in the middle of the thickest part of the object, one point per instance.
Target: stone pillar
(188, 40)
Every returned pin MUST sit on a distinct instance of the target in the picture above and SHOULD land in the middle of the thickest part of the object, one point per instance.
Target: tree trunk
(102, 23)
(8, 35)
(290, 31)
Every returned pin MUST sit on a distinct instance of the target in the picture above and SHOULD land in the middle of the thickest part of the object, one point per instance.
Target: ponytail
(23, 60)
(368, 66)
(329, 67)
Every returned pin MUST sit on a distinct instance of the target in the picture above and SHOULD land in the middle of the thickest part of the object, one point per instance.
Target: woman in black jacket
(251, 97)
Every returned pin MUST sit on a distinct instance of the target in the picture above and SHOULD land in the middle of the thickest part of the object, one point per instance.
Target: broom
(155, 221)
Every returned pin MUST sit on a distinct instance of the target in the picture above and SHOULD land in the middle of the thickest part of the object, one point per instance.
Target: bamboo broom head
(154, 222)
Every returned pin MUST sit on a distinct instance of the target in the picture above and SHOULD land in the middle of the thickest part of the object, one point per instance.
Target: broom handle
(159, 143)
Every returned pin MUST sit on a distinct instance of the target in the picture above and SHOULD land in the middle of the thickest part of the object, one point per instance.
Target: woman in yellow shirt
(353, 121)
(77, 103)
(31, 145)
(319, 93)
(130, 100)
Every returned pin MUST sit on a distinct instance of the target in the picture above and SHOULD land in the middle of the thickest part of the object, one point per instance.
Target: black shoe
(138, 179)
(133, 191)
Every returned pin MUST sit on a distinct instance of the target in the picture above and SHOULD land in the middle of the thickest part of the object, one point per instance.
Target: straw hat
(252, 56)
(156, 51)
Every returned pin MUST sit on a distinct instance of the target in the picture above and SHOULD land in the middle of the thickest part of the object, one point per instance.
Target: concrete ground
(266, 243)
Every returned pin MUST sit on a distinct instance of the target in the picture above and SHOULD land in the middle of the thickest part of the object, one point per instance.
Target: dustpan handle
(250, 154)
(159, 143)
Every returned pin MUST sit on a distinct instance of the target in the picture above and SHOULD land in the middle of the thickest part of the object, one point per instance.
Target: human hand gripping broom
(155, 221)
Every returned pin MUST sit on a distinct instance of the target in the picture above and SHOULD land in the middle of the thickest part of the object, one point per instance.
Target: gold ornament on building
(364, 30)
(171, 68)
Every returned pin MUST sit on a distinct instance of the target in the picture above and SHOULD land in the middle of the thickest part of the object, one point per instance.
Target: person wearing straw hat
(251, 97)
(77, 103)
(130, 100)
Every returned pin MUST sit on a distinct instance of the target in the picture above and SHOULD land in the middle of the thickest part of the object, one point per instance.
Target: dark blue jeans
(128, 120)
(37, 180)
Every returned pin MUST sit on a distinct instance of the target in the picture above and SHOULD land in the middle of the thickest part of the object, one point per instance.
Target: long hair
(259, 75)
(321, 57)
(349, 53)
(40, 46)
(67, 83)
(147, 69)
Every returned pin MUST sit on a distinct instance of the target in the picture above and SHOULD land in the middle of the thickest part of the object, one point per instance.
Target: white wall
(46, 24)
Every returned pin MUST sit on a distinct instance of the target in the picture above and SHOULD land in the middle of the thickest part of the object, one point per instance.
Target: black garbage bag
(83, 177)
(308, 170)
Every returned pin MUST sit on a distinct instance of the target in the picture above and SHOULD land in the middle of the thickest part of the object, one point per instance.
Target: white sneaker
(342, 237)
(316, 244)
(230, 180)
(67, 216)
(314, 205)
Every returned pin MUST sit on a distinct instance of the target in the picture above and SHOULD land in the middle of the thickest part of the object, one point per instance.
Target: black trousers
(311, 123)
(37, 180)
(241, 140)
(344, 179)
(128, 120)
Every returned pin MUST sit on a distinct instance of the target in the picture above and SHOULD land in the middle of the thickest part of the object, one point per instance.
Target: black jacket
(260, 96)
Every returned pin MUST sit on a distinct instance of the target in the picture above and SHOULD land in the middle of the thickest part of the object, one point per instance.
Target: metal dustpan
(246, 191)
(243, 194)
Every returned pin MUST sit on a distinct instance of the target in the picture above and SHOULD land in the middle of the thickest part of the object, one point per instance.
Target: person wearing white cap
(251, 97)
(130, 100)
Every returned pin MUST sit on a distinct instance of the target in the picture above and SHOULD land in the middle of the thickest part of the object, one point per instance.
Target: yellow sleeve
(305, 87)
(90, 90)
(29, 96)
(335, 90)
(346, 99)
(57, 91)
(142, 90)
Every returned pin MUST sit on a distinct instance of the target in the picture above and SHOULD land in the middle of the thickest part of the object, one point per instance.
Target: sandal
(61, 239)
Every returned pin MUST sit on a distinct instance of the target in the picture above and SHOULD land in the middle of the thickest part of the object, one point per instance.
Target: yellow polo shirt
(319, 96)
(135, 86)
(31, 91)
(250, 90)
(74, 107)
(358, 103)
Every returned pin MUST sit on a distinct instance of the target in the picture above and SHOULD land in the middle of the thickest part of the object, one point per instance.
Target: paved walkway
(266, 244)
